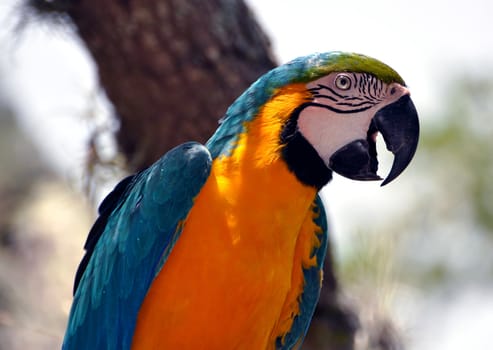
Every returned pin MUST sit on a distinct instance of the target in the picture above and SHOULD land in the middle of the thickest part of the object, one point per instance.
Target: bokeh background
(416, 255)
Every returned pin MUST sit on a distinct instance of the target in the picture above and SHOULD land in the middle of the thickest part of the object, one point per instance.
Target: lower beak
(399, 125)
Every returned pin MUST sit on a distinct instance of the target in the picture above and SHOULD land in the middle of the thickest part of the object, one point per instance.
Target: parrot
(221, 246)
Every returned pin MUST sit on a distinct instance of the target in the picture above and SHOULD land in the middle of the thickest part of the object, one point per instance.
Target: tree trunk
(171, 68)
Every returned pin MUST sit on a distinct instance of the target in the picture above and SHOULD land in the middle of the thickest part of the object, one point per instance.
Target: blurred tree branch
(170, 68)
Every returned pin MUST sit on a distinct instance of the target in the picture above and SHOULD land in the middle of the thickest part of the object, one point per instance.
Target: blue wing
(138, 226)
(311, 292)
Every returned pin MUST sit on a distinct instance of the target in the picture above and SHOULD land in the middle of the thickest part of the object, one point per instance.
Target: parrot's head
(330, 108)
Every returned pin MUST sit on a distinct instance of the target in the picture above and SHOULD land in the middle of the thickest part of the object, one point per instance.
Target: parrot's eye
(343, 82)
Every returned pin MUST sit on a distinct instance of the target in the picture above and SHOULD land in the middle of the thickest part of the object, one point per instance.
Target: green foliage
(458, 148)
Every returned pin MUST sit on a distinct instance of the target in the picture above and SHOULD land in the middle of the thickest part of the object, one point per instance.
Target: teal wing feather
(311, 291)
(138, 226)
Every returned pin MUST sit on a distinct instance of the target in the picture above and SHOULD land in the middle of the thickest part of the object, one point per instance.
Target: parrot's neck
(272, 134)
(260, 184)
(272, 187)
(256, 167)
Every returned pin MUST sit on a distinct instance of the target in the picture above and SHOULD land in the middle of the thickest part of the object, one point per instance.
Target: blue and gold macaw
(221, 246)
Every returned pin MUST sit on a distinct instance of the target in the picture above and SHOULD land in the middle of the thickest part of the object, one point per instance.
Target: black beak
(399, 125)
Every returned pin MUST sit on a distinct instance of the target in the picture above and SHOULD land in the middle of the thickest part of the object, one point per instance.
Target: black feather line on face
(302, 159)
(341, 111)
(364, 84)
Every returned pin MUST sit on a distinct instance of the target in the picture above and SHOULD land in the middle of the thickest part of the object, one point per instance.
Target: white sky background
(51, 81)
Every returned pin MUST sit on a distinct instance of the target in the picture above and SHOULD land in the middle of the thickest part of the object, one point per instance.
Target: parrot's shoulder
(138, 225)
(188, 159)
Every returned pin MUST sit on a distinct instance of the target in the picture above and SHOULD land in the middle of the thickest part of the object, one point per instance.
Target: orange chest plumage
(234, 277)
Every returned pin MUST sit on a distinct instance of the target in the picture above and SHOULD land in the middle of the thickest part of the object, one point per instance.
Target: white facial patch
(327, 131)
(348, 112)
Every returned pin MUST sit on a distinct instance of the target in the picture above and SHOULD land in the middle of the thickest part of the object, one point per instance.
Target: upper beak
(399, 125)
